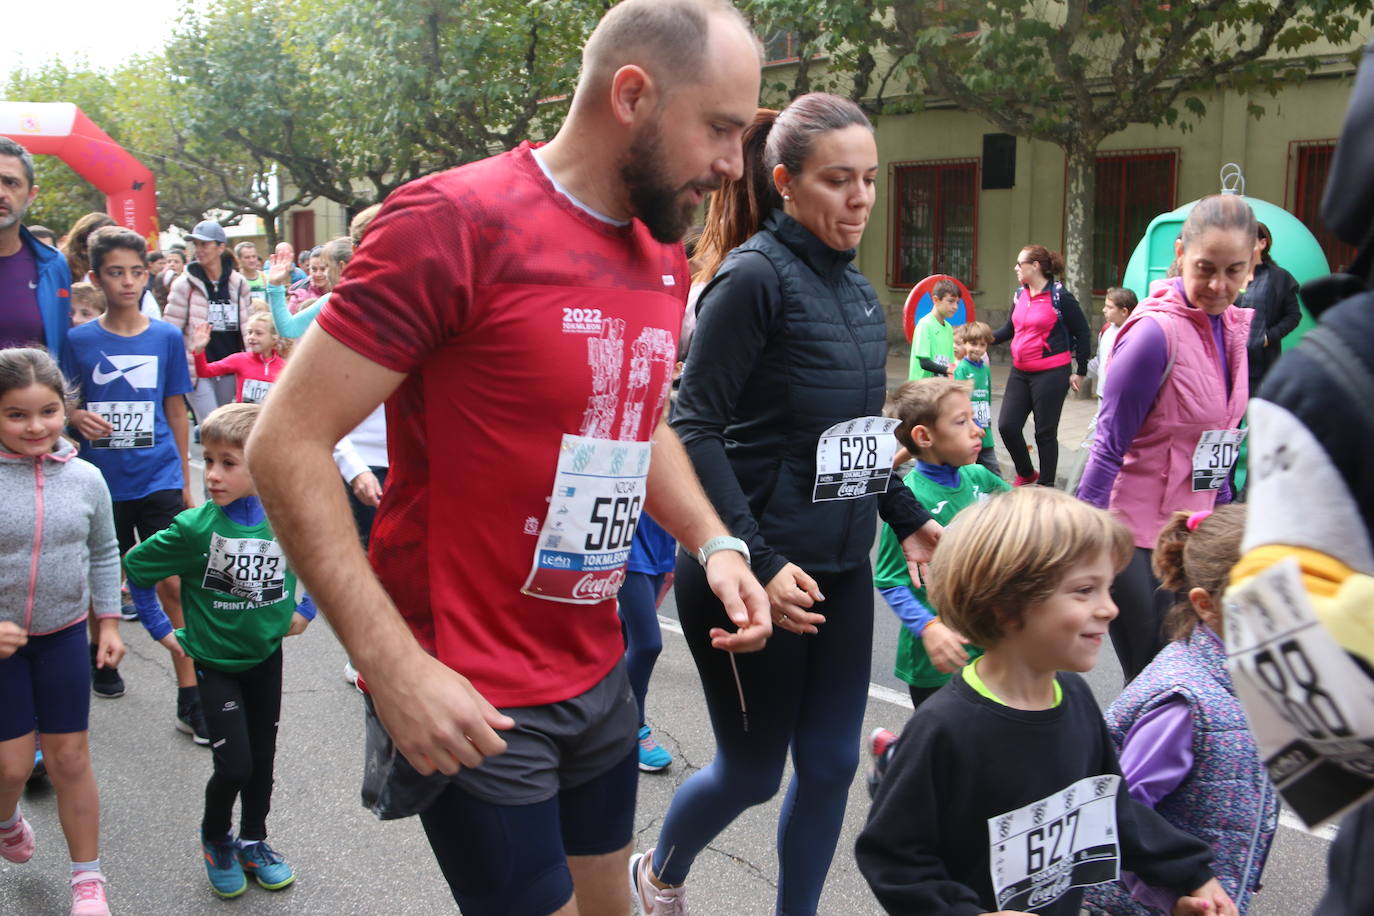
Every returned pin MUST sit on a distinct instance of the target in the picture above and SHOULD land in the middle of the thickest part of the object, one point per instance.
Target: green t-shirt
(976, 483)
(236, 591)
(933, 339)
(981, 396)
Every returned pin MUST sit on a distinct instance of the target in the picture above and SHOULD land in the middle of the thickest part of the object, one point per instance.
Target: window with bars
(935, 221)
(1313, 163)
(1133, 187)
(780, 47)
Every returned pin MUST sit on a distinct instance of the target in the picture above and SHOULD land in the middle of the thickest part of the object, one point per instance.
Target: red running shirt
(517, 318)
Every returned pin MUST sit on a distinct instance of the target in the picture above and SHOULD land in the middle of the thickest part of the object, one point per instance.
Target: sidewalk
(1073, 423)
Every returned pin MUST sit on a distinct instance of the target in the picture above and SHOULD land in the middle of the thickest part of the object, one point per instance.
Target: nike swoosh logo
(868, 310)
(33, 285)
(104, 378)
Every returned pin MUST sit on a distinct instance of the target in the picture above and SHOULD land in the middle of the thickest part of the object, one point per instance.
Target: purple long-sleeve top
(1139, 360)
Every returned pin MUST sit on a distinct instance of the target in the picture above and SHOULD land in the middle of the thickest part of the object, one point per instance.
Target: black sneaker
(105, 682)
(191, 721)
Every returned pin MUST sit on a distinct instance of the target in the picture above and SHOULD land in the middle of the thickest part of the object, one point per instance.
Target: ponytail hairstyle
(1200, 557)
(1051, 262)
(784, 137)
(1219, 211)
(336, 253)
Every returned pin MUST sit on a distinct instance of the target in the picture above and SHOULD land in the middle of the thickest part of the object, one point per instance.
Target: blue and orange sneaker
(265, 864)
(222, 866)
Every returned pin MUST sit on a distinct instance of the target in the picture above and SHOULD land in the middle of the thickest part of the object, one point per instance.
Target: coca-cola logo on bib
(599, 587)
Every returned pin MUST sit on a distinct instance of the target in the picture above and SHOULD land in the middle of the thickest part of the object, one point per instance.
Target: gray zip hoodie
(58, 550)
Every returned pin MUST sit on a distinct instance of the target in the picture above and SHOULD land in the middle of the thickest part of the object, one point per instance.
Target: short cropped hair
(230, 424)
(919, 403)
(10, 148)
(943, 288)
(109, 238)
(42, 233)
(1123, 298)
(89, 295)
(1001, 556)
(976, 332)
(668, 38)
(238, 249)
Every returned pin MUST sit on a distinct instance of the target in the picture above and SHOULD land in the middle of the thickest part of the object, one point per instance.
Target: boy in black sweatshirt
(1004, 794)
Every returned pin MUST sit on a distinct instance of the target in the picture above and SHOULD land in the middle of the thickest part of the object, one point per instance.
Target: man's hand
(367, 489)
(944, 646)
(434, 715)
(744, 600)
(90, 425)
(12, 636)
(790, 593)
(298, 624)
(173, 646)
(1210, 898)
(109, 650)
(918, 547)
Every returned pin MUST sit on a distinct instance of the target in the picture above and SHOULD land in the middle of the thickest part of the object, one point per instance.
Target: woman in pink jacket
(1168, 432)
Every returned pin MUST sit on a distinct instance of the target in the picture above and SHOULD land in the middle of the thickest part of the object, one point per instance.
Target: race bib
(131, 422)
(585, 540)
(1215, 455)
(224, 316)
(1065, 840)
(982, 414)
(854, 458)
(253, 569)
(255, 391)
(1310, 706)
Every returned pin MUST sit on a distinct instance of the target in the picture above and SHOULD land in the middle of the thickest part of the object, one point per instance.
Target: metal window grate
(1313, 164)
(1133, 187)
(935, 229)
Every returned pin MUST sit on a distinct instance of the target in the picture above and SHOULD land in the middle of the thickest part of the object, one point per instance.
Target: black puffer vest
(824, 363)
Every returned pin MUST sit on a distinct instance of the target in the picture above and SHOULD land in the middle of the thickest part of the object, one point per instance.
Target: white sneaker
(651, 899)
(351, 673)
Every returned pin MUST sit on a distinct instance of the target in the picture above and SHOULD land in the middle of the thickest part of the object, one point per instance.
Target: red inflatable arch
(63, 130)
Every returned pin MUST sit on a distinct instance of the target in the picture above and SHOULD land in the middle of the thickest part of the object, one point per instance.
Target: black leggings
(241, 712)
(1040, 393)
(1138, 630)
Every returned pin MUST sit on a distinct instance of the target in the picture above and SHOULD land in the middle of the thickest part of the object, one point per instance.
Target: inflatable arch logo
(61, 129)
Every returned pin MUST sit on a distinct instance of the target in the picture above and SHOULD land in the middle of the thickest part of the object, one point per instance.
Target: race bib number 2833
(1310, 706)
(585, 540)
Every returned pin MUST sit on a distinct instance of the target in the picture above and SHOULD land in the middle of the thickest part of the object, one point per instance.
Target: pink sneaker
(88, 894)
(16, 844)
(652, 900)
(1027, 481)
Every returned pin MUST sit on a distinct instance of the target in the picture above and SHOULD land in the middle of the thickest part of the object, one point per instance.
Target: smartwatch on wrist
(724, 542)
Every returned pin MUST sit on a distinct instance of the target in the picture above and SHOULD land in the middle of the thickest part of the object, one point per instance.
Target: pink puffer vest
(1156, 476)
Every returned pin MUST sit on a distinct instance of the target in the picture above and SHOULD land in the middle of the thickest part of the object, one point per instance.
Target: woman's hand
(918, 547)
(279, 269)
(790, 593)
(1075, 381)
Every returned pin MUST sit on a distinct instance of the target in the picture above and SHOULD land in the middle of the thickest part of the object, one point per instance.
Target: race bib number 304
(854, 458)
(585, 540)
(253, 569)
(1310, 706)
(1216, 453)
(131, 423)
(1065, 840)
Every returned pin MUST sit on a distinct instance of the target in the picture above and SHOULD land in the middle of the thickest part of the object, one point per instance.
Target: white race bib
(255, 391)
(585, 540)
(854, 458)
(131, 422)
(1310, 706)
(224, 316)
(1066, 840)
(250, 568)
(1215, 455)
(982, 414)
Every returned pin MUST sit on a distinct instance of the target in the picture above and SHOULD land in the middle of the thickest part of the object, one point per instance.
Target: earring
(787, 197)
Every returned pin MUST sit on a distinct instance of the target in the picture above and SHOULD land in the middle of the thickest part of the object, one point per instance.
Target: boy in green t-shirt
(936, 425)
(975, 338)
(239, 599)
(932, 343)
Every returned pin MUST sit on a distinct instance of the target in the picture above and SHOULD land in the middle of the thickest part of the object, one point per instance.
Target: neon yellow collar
(974, 680)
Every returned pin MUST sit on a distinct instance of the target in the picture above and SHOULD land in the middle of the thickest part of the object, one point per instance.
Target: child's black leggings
(241, 712)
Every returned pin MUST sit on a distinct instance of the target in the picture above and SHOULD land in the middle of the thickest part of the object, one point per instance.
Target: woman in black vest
(790, 345)
(1273, 294)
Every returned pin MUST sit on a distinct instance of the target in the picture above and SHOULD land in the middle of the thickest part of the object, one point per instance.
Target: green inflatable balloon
(1295, 249)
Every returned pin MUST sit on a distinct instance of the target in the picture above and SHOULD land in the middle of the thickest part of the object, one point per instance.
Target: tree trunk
(269, 225)
(1079, 201)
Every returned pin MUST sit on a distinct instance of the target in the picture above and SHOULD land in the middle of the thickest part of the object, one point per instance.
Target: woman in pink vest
(1168, 431)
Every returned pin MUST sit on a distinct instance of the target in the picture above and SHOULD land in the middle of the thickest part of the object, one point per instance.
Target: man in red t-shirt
(520, 316)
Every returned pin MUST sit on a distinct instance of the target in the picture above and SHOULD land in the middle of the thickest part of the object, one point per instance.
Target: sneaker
(266, 865)
(223, 868)
(105, 682)
(351, 674)
(88, 894)
(653, 900)
(652, 757)
(40, 769)
(126, 605)
(16, 844)
(1026, 481)
(880, 744)
(191, 721)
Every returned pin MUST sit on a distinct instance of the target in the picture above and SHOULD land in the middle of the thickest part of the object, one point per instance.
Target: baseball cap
(207, 230)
